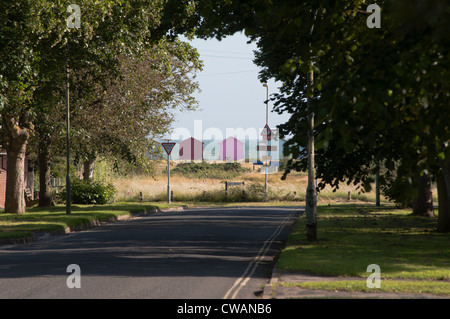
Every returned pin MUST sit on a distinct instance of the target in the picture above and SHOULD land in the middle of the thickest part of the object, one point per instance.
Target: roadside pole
(168, 179)
(68, 181)
(266, 137)
(72, 22)
(377, 185)
(168, 147)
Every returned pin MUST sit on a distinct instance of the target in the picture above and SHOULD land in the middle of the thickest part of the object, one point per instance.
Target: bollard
(226, 191)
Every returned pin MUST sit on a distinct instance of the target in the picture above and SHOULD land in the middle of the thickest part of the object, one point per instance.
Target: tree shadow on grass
(350, 239)
(54, 220)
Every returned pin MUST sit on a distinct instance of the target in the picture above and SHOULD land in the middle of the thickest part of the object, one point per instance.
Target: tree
(274, 18)
(36, 45)
(381, 94)
(124, 120)
(404, 87)
(17, 33)
(423, 203)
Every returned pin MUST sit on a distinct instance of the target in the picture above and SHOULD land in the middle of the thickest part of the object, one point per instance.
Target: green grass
(387, 286)
(54, 220)
(351, 237)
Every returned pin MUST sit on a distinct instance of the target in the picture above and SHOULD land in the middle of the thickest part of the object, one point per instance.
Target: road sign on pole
(168, 147)
(266, 133)
(267, 148)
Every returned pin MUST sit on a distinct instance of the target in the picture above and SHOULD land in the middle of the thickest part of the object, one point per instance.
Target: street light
(73, 22)
(68, 182)
(267, 127)
(267, 103)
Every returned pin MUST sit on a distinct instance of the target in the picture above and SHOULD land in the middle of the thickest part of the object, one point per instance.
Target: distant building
(232, 150)
(191, 149)
(211, 150)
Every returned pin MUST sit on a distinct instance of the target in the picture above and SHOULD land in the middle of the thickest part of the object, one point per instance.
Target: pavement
(274, 289)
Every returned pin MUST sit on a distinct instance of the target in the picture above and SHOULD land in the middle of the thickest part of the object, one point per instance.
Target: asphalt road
(209, 253)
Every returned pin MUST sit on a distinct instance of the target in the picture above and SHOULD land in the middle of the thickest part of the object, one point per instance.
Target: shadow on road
(204, 242)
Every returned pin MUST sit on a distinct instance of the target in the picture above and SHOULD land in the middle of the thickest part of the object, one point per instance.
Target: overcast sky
(232, 96)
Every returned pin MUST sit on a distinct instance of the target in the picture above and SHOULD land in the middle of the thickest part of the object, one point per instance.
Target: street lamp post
(267, 102)
(68, 182)
(72, 22)
(267, 126)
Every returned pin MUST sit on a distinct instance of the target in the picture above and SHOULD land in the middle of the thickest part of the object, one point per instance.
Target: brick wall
(2, 180)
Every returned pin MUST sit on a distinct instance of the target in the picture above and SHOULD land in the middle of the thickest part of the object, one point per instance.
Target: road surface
(208, 253)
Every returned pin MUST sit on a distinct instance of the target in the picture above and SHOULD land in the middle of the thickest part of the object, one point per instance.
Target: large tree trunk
(88, 169)
(443, 185)
(423, 204)
(16, 146)
(15, 181)
(45, 189)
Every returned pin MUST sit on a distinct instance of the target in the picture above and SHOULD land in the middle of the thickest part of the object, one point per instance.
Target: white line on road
(251, 268)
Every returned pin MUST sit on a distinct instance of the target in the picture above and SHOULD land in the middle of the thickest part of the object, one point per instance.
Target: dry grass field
(193, 188)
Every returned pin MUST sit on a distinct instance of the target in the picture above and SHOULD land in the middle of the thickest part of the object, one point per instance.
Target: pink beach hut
(191, 149)
(231, 149)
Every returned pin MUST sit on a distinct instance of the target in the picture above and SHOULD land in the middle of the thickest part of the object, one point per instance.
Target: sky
(232, 97)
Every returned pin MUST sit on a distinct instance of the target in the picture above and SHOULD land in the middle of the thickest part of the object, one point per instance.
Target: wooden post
(377, 185)
(226, 191)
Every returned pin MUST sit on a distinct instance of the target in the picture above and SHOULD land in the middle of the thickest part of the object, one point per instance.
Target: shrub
(205, 170)
(255, 192)
(90, 192)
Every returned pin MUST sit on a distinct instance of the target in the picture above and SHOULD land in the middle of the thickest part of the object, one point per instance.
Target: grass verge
(410, 253)
(54, 220)
(388, 286)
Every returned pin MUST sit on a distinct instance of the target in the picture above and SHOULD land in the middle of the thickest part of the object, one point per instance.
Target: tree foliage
(36, 48)
(124, 119)
(379, 94)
